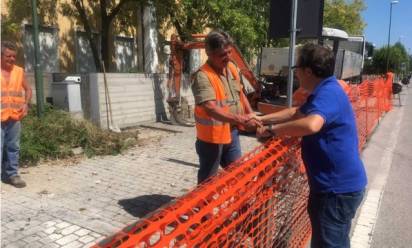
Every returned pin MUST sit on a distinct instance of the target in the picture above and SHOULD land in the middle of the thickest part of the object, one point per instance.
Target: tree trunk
(106, 21)
(93, 44)
(95, 51)
(105, 44)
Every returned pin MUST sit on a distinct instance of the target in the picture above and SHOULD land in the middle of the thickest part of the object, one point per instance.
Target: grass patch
(57, 133)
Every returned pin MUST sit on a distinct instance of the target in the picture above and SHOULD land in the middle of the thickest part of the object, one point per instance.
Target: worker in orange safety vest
(15, 97)
(221, 107)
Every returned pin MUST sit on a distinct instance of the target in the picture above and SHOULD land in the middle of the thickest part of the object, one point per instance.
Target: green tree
(345, 15)
(245, 20)
(186, 16)
(397, 56)
(19, 10)
(410, 63)
(248, 20)
(99, 16)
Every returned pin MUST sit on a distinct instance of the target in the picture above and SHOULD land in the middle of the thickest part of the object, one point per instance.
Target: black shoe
(16, 181)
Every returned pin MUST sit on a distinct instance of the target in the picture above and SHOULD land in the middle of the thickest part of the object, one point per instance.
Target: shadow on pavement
(145, 204)
(178, 161)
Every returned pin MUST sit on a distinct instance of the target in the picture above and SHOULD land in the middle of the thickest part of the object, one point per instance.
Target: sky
(376, 16)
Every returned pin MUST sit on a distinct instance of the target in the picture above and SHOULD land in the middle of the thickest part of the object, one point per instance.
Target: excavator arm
(176, 67)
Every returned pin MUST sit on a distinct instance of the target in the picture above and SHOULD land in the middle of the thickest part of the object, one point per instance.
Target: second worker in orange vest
(15, 96)
(221, 107)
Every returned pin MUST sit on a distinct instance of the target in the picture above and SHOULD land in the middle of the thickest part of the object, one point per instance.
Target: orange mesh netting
(259, 201)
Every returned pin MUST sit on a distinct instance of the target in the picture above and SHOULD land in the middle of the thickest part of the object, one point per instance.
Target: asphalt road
(394, 225)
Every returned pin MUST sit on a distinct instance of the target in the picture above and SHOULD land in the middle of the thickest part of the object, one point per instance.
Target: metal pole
(292, 51)
(37, 69)
(389, 38)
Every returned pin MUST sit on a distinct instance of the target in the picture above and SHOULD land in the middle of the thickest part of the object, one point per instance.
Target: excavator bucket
(181, 112)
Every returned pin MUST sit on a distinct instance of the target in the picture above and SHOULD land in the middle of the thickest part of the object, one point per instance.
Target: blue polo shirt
(331, 156)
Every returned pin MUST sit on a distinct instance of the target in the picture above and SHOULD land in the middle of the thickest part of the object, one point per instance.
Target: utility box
(66, 93)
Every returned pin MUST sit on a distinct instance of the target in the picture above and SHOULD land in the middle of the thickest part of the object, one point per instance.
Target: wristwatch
(271, 130)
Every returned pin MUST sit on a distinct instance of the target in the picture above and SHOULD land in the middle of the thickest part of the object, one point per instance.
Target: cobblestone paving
(76, 205)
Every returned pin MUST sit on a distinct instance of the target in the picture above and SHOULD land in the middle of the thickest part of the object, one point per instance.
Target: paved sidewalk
(75, 205)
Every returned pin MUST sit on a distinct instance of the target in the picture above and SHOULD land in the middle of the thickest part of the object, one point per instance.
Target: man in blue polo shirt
(326, 121)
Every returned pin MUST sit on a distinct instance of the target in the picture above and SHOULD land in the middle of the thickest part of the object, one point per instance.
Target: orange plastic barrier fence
(259, 201)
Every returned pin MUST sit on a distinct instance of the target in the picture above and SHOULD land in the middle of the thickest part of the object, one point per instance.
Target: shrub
(57, 133)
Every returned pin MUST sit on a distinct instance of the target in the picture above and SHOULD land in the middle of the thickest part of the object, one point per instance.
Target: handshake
(250, 122)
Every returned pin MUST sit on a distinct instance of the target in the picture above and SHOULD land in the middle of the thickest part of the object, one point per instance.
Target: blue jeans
(212, 155)
(10, 148)
(331, 216)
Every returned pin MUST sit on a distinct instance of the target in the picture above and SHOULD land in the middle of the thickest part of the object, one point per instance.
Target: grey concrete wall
(135, 98)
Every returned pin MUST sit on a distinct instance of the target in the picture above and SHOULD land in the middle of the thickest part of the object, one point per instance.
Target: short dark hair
(9, 45)
(217, 39)
(318, 58)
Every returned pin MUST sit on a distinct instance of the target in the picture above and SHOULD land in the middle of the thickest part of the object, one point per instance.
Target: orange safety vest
(209, 129)
(12, 97)
(235, 74)
(243, 98)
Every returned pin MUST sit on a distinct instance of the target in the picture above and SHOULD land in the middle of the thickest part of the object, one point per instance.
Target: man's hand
(263, 132)
(250, 122)
(257, 118)
(254, 119)
(25, 109)
(251, 115)
(242, 119)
